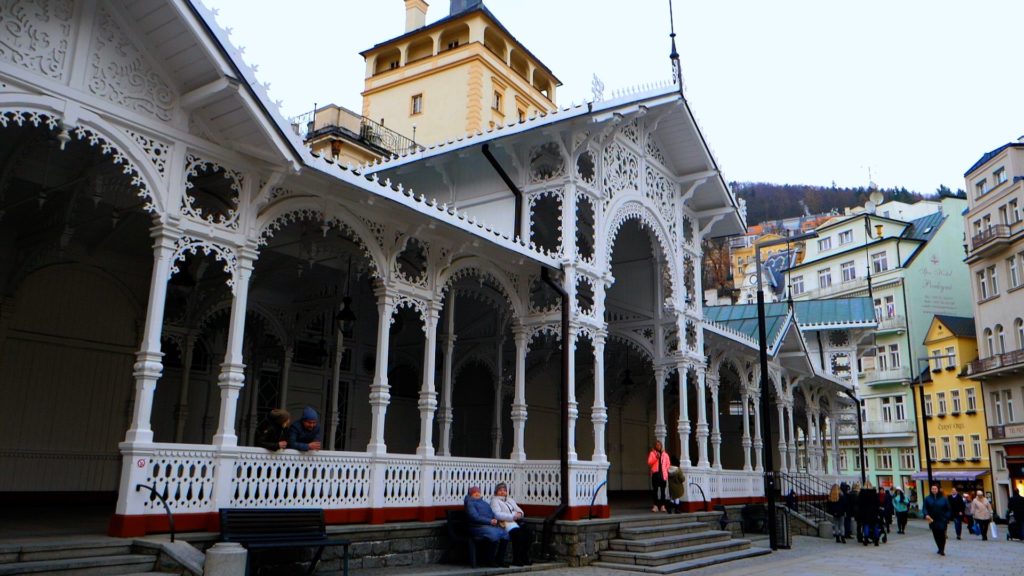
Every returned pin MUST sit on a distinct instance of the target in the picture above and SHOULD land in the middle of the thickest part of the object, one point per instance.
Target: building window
(982, 285)
(1000, 339)
(845, 237)
(1011, 271)
(522, 118)
(997, 409)
(999, 176)
(496, 102)
(881, 361)
(894, 356)
(981, 187)
(863, 410)
(890, 306)
(825, 244)
(1004, 216)
(886, 409)
(879, 262)
(993, 280)
(848, 270)
(417, 104)
(1008, 400)
(1000, 460)
(972, 400)
(825, 278)
(976, 446)
(932, 452)
(990, 342)
(950, 357)
(797, 284)
(1015, 210)
(901, 408)
(941, 398)
(927, 404)
(453, 44)
(947, 448)
(1019, 328)
(844, 460)
(954, 396)
(883, 458)
(908, 459)
(961, 448)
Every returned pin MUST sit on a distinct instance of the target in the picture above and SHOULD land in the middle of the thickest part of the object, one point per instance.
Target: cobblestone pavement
(905, 554)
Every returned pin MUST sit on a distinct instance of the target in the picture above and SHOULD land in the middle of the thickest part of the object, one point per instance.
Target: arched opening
(519, 64)
(585, 223)
(496, 44)
(454, 37)
(420, 49)
(75, 265)
(387, 60)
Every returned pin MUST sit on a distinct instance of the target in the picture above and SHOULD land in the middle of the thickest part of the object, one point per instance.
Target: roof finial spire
(677, 73)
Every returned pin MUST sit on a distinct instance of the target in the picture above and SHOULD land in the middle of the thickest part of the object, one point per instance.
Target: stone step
(642, 532)
(672, 555)
(685, 565)
(663, 518)
(668, 542)
(59, 548)
(93, 565)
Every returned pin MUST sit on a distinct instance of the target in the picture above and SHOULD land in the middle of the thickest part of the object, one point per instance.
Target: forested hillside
(776, 201)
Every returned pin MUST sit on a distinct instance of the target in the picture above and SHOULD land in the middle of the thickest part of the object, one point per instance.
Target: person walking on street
(868, 514)
(837, 508)
(968, 515)
(659, 463)
(981, 509)
(901, 506)
(887, 508)
(853, 509)
(847, 519)
(936, 512)
(956, 510)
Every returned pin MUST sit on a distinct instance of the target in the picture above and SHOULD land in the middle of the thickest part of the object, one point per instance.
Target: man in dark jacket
(956, 511)
(848, 506)
(936, 512)
(1016, 507)
(483, 525)
(272, 433)
(868, 514)
(306, 434)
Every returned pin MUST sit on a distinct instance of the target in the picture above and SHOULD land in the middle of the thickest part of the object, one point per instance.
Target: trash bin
(783, 539)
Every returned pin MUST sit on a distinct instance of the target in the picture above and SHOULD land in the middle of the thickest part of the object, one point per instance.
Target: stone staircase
(79, 556)
(669, 544)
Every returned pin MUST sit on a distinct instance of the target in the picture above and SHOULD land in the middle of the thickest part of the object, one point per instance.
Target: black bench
(724, 521)
(458, 533)
(263, 529)
(755, 518)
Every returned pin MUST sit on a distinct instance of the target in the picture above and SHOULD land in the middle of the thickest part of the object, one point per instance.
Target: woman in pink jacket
(658, 460)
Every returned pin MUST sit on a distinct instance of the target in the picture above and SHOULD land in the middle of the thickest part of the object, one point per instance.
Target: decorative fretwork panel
(265, 480)
(541, 484)
(183, 478)
(453, 477)
(402, 484)
(621, 170)
(36, 35)
(546, 163)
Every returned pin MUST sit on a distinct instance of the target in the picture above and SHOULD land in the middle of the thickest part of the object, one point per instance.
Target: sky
(902, 92)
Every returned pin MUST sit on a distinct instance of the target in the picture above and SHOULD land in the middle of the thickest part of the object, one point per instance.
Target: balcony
(890, 376)
(335, 120)
(838, 287)
(1004, 431)
(906, 427)
(990, 238)
(895, 323)
(997, 364)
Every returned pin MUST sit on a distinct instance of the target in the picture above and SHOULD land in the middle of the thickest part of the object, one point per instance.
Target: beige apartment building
(995, 254)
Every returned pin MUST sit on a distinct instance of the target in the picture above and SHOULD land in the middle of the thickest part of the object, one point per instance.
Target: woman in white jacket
(981, 509)
(509, 516)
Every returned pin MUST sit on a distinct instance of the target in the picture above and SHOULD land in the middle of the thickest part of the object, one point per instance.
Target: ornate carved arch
(632, 208)
(277, 329)
(118, 143)
(297, 208)
(475, 266)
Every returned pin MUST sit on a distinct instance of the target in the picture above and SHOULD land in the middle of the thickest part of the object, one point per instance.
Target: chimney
(457, 6)
(415, 14)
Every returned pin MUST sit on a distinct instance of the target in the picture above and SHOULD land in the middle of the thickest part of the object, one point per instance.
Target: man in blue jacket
(483, 525)
(305, 434)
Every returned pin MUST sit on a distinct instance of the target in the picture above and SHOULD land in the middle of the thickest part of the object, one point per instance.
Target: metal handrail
(593, 497)
(702, 496)
(170, 515)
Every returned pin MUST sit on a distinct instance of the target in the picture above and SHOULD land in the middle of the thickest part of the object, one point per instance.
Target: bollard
(225, 559)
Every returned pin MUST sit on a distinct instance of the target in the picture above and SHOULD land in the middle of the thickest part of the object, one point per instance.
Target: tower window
(453, 44)
(417, 104)
(496, 103)
(522, 115)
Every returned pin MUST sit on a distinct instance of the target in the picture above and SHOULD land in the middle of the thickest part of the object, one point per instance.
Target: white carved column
(599, 411)
(716, 432)
(444, 426)
(148, 360)
(498, 389)
(683, 425)
(521, 337)
(333, 417)
(232, 370)
(428, 394)
(186, 372)
(792, 436)
(574, 407)
(783, 451)
(702, 418)
(758, 440)
(380, 395)
(660, 430)
(745, 442)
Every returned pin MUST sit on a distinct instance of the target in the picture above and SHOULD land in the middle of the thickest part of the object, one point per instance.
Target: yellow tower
(461, 74)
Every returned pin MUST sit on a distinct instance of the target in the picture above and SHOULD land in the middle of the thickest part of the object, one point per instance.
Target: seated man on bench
(484, 526)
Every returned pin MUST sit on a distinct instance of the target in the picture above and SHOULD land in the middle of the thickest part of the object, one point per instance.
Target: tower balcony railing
(887, 376)
(335, 119)
(990, 237)
(896, 322)
(996, 364)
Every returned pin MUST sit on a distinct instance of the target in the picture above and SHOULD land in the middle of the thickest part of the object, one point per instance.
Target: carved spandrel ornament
(120, 73)
(36, 35)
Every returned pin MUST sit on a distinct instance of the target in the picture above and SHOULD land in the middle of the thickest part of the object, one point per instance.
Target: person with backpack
(901, 506)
